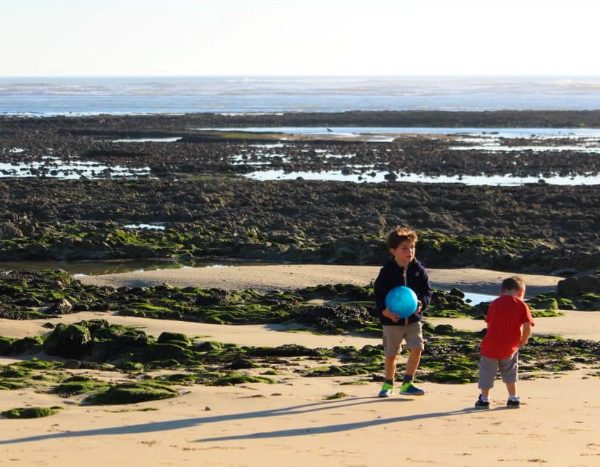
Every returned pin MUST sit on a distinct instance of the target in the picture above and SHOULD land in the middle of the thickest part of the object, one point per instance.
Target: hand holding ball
(401, 301)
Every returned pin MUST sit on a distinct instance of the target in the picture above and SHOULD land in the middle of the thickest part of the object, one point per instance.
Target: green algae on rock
(131, 393)
(30, 412)
(450, 356)
(34, 295)
(337, 395)
(235, 378)
(23, 374)
(75, 385)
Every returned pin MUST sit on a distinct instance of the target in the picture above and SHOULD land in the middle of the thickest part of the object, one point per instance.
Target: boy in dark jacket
(402, 269)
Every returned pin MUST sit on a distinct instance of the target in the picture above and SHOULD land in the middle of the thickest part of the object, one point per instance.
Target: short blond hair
(399, 235)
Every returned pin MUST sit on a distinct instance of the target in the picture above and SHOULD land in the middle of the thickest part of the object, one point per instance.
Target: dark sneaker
(386, 390)
(481, 404)
(409, 389)
(513, 403)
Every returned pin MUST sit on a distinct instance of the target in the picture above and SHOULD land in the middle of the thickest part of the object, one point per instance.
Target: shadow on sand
(292, 410)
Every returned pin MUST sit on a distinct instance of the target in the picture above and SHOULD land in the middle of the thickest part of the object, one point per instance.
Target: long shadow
(190, 422)
(339, 427)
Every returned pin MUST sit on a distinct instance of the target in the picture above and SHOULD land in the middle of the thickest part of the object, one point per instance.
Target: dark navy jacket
(392, 275)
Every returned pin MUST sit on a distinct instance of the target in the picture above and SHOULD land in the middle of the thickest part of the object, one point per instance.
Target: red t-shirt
(504, 318)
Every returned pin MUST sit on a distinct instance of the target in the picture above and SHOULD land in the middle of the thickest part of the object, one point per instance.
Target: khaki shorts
(393, 335)
(488, 368)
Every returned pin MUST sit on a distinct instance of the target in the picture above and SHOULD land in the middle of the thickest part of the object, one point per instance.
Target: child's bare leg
(390, 368)
(413, 361)
(512, 389)
(485, 392)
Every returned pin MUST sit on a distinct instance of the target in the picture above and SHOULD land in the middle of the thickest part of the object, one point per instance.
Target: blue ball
(401, 301)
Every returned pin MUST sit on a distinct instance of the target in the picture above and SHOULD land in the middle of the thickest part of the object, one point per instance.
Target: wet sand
(305, 275)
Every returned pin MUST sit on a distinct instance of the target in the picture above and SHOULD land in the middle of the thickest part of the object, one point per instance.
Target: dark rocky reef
(30, 295)
(149, 125)
(194, 187)
(530, 228)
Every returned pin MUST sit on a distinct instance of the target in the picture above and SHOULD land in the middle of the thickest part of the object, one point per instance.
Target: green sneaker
(386, 390)
(409, 389)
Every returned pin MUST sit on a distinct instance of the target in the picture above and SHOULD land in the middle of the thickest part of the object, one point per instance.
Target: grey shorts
(393, 335)
(488, 368)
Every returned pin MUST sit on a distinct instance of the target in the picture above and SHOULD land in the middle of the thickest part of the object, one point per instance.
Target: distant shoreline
(568, 119)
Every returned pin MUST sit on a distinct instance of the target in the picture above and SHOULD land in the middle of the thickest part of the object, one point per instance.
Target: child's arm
(525, 333)
(424, 293)
(381, 287)
(389, 315)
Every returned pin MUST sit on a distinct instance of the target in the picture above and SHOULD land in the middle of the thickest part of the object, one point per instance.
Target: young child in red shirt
(509, 324)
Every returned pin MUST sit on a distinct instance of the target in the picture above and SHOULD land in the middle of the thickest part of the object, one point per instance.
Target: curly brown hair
(399, 235)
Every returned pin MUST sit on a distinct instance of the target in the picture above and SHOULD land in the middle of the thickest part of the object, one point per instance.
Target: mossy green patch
(235, 378)
(177, 378)
(174, 338)
(30, 412)
(14, 383)
(78, 385)
(132, 393)
(337, 395)
(343, 370)
(15, 371)
(29, 373)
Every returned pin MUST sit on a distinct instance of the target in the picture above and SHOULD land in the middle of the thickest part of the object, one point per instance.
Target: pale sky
(299, 37)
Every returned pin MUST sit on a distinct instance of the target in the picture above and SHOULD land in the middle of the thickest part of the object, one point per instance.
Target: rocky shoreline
(154, 365)
(411, 118)
(530, 228)
(110, 141)
(196, 204)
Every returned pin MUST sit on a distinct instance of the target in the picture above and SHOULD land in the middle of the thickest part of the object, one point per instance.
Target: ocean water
(374, 176)
(143, 95)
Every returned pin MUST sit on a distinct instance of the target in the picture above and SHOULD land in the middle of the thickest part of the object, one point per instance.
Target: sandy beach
(290, 422)
(295, 276)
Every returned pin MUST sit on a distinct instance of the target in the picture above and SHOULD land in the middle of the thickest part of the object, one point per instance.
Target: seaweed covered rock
(174, 338)
(234, 378)
(286, 350)
(585, 287)
(448, 304)
(77, 385)
(348, 292)
(339, 319)
(26, 345)
(61, 307)
(444, 329)
(166, 351)
(69, 341)
(32, 295)
(573, 293)
(30, 412)
(212, 297)
(132, 393)
(6, 345)
(8, 231)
